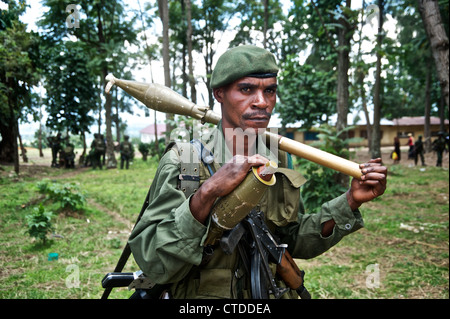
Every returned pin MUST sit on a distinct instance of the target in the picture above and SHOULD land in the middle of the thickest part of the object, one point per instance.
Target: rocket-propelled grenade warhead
(234, 207)
(160, 98)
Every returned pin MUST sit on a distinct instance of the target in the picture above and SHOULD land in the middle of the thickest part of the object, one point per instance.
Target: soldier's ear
(218, 94)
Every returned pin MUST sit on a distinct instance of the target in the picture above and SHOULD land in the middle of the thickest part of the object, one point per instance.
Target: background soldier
(439, 146)
(418, 151)
(97, 148)
(55, 144)
(126, 152)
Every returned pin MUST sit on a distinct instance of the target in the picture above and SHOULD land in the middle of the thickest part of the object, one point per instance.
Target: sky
(138, 120)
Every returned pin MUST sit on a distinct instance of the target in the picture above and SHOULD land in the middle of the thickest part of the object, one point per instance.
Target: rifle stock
(292, 275)
(161, 98)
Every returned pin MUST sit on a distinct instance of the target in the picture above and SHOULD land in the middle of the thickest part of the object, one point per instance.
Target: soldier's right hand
(223, 182)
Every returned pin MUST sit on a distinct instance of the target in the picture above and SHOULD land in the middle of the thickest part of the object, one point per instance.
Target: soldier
(69, 155)
(418, 151)
(103, 155)
(55, 145)
(126, 152)
(439, 145)
(167, 242)
(97, 148)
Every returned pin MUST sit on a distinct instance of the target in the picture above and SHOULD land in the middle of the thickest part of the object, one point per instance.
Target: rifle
(257, 246)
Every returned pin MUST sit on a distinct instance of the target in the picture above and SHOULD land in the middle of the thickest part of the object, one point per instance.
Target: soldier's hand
(223, 182)
(371, 185)
(230, 175)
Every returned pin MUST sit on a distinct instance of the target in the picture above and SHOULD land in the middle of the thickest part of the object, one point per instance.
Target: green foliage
(144, 149)
(306, 93)
(39, 223)
(68, 195)
(19, 72)
(322, 184)
(69, 85)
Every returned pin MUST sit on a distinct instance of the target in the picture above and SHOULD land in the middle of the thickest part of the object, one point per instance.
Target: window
(311, 136)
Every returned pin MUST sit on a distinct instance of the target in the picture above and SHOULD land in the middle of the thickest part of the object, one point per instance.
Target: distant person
(97, 148)
(103, 155)
(55, 145)
(439, 145)
(398, 154)
(69, 155)
(126, 152)
(418, 151)
(411, 146)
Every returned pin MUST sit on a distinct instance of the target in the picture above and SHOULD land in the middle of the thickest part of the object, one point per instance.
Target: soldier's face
(247, 102)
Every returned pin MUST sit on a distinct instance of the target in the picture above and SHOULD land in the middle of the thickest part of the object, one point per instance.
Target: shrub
(68, 195)
(323, 183)
(39, 223)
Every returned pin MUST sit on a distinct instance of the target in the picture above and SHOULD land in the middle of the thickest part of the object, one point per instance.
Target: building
(148, 133)
(389, 129)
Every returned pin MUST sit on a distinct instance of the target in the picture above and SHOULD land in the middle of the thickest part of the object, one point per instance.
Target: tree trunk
(376, 133)
(342, 80)
(22, 148)
(427, 129)
(431, 17)
(151, 75)
(163, 6)
(189, 45)
(13, 126)
(111, 161)
(344, 36)
(117, 118)
(41, 154)
(442, 111)
(266, 22)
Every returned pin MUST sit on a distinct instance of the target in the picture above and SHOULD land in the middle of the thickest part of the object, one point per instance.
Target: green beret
(241, 61)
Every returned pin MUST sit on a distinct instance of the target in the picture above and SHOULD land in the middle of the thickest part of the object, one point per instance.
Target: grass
(403, 250)
(401, 253)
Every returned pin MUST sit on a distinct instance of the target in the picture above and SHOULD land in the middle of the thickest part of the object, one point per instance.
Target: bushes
(39, 223)
(323, 183)
(68, 195)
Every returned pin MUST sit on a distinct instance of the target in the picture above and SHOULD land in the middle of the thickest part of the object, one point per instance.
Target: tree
(431, 17)
(306, 94)
(376, 133)
(212, 21)
(189, 32)
(69, 85)
(19, 72)
(163, 8)
(103, 29)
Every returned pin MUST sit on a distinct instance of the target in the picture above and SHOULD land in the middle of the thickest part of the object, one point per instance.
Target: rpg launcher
(161, 98)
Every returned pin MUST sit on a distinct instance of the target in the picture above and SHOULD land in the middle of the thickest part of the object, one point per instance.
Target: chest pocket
(282, 200)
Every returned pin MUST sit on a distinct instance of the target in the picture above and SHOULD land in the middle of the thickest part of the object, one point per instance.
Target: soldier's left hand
(371, 185)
